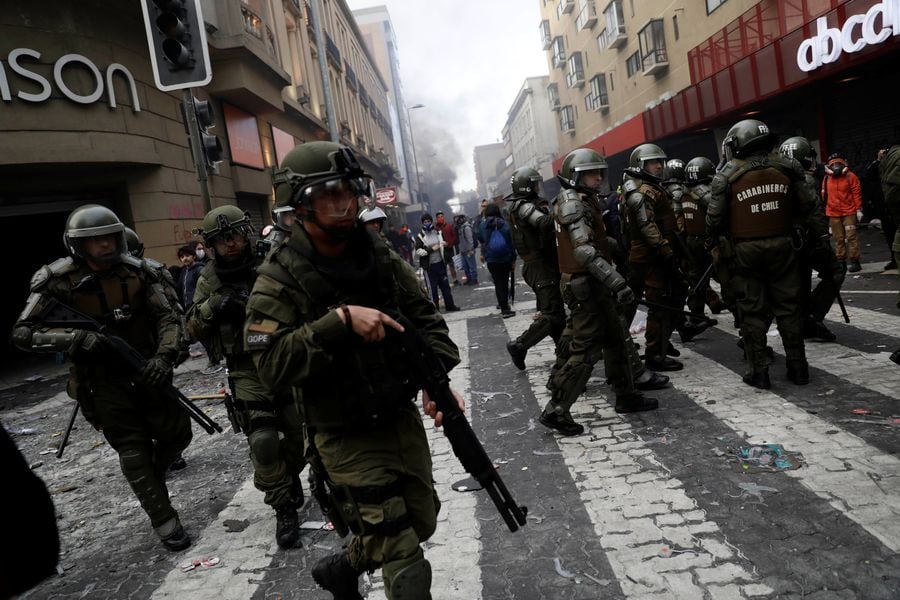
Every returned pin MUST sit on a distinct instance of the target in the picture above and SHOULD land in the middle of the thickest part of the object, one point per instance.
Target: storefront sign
(15, 65)
(857, 32)
(386, 196)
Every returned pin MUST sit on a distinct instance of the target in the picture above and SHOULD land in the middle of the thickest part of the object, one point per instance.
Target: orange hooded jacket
(841, 193)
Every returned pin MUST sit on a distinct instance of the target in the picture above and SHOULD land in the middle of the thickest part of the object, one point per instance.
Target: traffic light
(176, 36)
(210, 146)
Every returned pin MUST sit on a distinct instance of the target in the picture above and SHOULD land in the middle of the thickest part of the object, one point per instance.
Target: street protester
(271, 421)
(756, 198)
(100, 279)
(317, 322)
(842, 195)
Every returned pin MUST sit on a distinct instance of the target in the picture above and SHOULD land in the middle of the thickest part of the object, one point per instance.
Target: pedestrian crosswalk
(639, 506)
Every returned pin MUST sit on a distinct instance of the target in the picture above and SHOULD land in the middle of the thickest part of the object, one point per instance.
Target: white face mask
(200, 254)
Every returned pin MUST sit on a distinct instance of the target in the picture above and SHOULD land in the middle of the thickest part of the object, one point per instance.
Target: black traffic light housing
(210, 145)
(176, 35)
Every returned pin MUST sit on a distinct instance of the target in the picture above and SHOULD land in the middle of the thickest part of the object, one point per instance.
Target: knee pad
(410, 578)
(264, 445)
(135, 460)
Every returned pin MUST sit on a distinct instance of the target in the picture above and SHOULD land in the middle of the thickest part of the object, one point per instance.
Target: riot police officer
(592, 288)
(216, 318)
(274, 234)
(698, 173)
(674, 184)
(374, 218)
(756, 197)
(655, 255)
(100, 279)
(533, 236)
(814, 253)
(317, 321)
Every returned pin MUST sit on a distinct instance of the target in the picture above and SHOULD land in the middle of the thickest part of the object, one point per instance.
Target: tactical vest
(366, 385)
(593, 214)
(531, 244)
(759, 204)
(116, 298)
(694, 210)
(663, 214)
(228, 340)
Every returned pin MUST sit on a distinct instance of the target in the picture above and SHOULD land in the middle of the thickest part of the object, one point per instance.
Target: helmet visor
(336, 198)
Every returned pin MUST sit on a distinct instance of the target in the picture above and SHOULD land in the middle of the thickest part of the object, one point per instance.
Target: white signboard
(857, 32)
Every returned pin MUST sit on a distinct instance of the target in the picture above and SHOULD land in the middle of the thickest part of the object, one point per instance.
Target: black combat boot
(663, 363)
(561, 424)
(652, 381)
(287, 526)
(690, 329)
(813, 329)
(798, 371)
(178, 464)
(896, 357)
(517, 352)
(769, 351)
(173, 535)
(335, 574)
(758, 379)
(672, 350)
(634, 402)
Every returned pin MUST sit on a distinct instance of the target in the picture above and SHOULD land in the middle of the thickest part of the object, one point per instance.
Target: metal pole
(196, 150)
(323, 71)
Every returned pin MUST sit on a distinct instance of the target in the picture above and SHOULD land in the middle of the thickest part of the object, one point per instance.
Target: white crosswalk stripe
(636, 506)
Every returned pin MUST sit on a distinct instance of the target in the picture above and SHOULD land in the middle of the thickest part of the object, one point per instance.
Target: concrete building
(82, 121)
(486, 158)
(531, 128)
(379, 37)
(680, 74)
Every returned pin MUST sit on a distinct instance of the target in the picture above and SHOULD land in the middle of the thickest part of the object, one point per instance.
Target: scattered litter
(47, 451)
(752, 489)
(37, 464)
(560, 571)
(767, 458)
(97, 444)
(863, 411)
(603, 582)
(56, 434)
(545, 453)
(329, 526)
(314, 525)
(509, 414)
(235, 525)
(718, 452)
(24, 431)
(524, 468)
(670, 551)
(33, 379)
(470, 484)
(205, 563)
(64, 489)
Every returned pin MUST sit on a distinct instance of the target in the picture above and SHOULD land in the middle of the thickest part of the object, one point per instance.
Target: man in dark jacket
(499, 254)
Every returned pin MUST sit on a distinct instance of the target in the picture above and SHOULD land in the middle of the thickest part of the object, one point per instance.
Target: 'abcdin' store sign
(857, 32)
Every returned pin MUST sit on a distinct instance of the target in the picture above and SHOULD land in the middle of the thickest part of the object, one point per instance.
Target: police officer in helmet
(99, 278)
(756, 198)
(270, 420)
(317, 322)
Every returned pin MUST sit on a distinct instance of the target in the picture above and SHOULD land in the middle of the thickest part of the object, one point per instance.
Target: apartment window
(564, 7)
(575, 75)
(653, 47)
(598, 98)
(587, 15)
(615, 25)
(633, 64)
(559, 52)
(567, 119)
(602, 42)
(546, 37)
(712, 5)
(553, 96)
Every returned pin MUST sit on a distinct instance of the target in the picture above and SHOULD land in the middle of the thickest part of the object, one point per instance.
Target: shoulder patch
(263, 326)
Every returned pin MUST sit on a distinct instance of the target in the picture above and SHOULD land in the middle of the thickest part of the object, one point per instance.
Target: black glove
(672, 265)
(88, 344)
(156, 371)
(625, 296)
(229, 307)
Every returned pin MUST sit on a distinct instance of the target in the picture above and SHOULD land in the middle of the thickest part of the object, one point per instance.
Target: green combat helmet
(675, 170)
(575, 163)
(314, 164)
(638, 161)
(699, 170)
(135, 245)
(746, 137)
(525, 182)
(799, 148)
(92, 220)
(220, 224)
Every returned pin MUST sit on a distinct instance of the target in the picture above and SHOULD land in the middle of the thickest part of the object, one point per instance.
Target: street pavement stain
(559, 530)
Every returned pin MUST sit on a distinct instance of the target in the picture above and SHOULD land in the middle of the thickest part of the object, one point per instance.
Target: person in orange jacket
(842, 196)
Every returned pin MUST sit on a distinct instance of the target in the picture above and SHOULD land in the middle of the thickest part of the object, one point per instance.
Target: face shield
(336, 198)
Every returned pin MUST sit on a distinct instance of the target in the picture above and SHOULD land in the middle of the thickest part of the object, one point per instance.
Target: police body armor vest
(115, 298)
(694, 208)
(229, 341)
(367, 384)
(759, 204)
(593, 214)
(663, 214)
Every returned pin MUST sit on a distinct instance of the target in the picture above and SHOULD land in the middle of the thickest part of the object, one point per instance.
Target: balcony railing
(553, 96)
(252, 23)
(350, 74)
(333, 52)
(587, 17)
(564, 7)
(363, 96)
(654, 61)
(546, 36)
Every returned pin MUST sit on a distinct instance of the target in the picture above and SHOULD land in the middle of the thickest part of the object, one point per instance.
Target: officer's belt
(376, 494)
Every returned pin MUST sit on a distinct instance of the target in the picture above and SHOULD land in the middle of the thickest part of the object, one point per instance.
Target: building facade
(379, 37)
(82, 121)
(622, 72)
(486, 159)
(531, 129)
